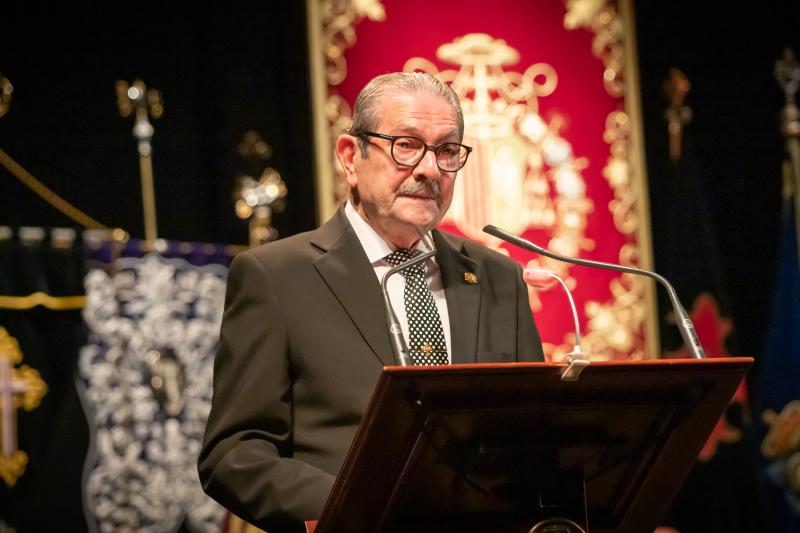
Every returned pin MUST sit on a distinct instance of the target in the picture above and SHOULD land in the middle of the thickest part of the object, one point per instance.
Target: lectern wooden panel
(503, 447)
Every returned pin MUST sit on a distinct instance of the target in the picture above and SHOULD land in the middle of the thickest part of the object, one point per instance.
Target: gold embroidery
(58, 303)
(610, 21)
(19, 387)
(601, 17)
(331, 32)
(339, 18)
(621, 327)
(535, 178)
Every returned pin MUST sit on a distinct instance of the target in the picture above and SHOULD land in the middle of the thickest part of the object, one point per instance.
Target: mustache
(431, 189)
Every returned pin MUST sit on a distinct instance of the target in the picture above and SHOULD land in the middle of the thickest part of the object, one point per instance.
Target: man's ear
(347, 152)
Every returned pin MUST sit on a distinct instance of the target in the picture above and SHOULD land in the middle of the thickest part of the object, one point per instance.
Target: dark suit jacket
(303, 342)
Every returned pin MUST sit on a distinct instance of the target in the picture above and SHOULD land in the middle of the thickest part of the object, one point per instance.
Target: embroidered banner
(146, 375)
(550, 102)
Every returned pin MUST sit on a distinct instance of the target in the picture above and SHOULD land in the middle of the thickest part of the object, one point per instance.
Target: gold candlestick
(137, 98)
(676, 87)
(256, 200)
(787, 72)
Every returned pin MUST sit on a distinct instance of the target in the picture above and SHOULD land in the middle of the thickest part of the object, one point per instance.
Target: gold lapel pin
(470, 278)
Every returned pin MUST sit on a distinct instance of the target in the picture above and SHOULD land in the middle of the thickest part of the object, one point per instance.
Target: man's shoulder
(287, 245)
(301, 247)
(283, 253)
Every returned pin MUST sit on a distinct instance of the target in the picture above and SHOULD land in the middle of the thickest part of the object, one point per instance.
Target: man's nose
(427, 168)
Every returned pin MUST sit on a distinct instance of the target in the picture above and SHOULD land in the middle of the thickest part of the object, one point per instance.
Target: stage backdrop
(550, 97)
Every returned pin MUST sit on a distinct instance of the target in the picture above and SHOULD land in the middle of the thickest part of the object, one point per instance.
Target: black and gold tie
(426, 343)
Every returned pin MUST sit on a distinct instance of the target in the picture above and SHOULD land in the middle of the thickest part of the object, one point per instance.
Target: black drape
(54, 435)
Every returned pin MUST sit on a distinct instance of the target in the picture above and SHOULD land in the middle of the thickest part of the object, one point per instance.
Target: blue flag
(779, 392)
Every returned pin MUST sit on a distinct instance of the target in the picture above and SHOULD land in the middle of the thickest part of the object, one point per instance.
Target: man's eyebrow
(413, 131)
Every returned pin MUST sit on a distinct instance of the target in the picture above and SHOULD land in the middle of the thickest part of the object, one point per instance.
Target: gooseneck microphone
(399, 345)
(540, 279)
(577, 359)
(685, 325)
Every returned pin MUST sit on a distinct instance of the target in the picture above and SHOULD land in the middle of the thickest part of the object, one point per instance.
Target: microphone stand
(685, 325)
(577, 358)
(399, 345)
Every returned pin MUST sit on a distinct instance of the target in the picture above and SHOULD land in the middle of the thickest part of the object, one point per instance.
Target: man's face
(394, 199)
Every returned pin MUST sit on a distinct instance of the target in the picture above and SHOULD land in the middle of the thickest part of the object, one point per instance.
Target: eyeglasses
(409, 151)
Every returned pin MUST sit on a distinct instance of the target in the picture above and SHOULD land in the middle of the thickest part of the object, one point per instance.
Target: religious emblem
(19, 387)
(524, 175)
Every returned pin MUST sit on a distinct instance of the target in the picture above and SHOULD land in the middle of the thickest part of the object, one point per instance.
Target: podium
(513, 447)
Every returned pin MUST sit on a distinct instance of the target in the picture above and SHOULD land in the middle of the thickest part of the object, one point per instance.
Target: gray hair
(366, 111)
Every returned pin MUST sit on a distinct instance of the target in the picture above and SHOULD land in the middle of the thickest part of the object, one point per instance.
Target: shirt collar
(374, 245)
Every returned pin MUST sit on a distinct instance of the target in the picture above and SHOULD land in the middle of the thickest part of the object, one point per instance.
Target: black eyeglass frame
(433, 148)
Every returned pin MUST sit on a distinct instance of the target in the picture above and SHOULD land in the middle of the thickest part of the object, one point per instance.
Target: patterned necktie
(427, 345)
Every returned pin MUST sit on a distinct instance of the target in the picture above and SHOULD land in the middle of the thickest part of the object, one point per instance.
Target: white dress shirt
(377, 249)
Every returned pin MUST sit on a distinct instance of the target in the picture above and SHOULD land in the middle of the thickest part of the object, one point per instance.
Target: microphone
(399, 345)
(577, 358)
(544, 279)
(685, 325)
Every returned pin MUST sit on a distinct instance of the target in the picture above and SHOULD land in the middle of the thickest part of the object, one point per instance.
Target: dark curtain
(54, 435)
(721, 493)
(220, 73)
(716, 218)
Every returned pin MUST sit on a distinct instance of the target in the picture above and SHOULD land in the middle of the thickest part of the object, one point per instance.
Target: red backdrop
(577, 111)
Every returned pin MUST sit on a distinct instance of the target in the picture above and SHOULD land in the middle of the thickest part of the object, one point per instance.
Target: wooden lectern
(513, 447)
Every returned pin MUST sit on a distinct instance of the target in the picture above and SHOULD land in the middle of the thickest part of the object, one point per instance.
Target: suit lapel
(343, 261)
(463, 298)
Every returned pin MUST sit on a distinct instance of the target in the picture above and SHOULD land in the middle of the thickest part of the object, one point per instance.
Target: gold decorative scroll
(601, 17)
(339, 18)
(613, 326)
(618, 174)
(331, 30)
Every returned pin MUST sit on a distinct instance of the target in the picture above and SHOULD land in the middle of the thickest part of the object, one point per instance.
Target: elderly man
(304, 337)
